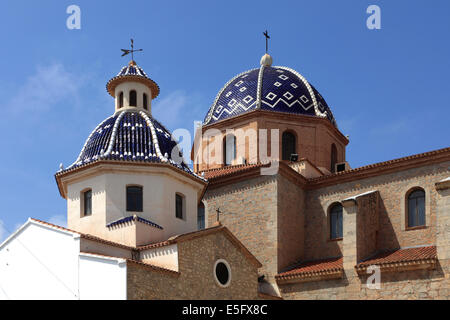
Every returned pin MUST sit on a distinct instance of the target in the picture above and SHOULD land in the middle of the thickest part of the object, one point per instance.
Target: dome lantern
(132, 89)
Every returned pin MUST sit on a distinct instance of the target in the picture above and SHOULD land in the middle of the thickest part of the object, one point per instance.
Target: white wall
(102, 278)
(159, 189)
(42, 262)
(38, 263)
(75, 219)
(164, 257)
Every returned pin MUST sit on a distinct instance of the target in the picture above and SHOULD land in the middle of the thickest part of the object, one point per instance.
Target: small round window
(222, 273)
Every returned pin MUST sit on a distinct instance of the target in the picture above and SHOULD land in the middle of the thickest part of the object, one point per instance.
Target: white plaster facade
(43, 262)
(108, 183)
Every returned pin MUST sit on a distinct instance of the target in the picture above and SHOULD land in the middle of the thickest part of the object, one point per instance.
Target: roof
(310, 269)
(132, 136)
(415, 254)
(403, 163)
(202, 233)
(223, 175)
(175, 239)
(82, 235)
(278, 88)
(132, 72)
(219, 172)
(131, 218)
(139, 263)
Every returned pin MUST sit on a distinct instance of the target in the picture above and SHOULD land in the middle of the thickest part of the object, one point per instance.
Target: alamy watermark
(373, 22)
(74, 20)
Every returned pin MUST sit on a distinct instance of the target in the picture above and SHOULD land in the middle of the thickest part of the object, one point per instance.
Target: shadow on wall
(387, 238)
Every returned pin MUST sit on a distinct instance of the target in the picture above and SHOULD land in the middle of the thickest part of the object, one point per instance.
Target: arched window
(288, 145)
(201, 216)
(229, 149)
(336, 226)
(86, 202)
(333, 157)
(144, 99)
(134, 199)
(179, 206)
(416, 208)
(120, 100)
(133, 98)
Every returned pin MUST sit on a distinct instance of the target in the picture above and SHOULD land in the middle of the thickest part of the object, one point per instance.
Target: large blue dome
(278, 89)
(131, 136)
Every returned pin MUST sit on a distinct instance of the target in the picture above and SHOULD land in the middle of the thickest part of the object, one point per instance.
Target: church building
(269, 210)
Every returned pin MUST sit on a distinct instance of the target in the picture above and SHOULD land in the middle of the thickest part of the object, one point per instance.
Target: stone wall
(392, 232)
(195, 279)
(248, 210)
(419, 284)
(290, 216)
(367, 222)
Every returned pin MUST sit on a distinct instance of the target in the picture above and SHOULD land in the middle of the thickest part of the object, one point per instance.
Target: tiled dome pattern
(130, 136)
(277, 89)
(132, 72)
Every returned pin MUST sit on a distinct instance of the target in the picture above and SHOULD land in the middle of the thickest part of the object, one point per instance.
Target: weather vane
(126, 51)
(266, 34)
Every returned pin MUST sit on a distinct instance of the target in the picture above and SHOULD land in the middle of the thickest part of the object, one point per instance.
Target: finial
(266, 60)
(132, 51)
(266, 34)
(61, 167)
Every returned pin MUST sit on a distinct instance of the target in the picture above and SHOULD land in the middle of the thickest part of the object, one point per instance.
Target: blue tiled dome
(130, 136)
(278, 89)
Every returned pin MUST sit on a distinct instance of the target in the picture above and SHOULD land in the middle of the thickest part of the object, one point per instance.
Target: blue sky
(388, 88)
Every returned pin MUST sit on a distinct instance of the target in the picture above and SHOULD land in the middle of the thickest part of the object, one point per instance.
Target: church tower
(265, 114)
(130, 183)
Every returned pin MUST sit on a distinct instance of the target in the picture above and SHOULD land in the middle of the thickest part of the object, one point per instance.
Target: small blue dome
(278, 89)
(131, 136)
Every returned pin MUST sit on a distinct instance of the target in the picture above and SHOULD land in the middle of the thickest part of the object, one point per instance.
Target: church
(270, 208)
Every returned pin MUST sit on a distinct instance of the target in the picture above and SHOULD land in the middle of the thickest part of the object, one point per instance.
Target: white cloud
(392, 128)
(48, 86)
(59, 220)
(178, 109)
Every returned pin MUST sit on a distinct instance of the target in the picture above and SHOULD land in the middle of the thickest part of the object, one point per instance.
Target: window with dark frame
(144, 99)
(120, 100)
(416, 208)
(229, 149)
(333, 157)
(87, 205)
(179, 206)
(201, 216)
(133, 98)
(336, 226)
(134, 199)
(288, 145)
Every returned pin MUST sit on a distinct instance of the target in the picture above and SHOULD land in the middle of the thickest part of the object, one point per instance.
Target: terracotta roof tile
(401, 255)
(314, 267)
(85, 235)
(382, 164)
(215, 173)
